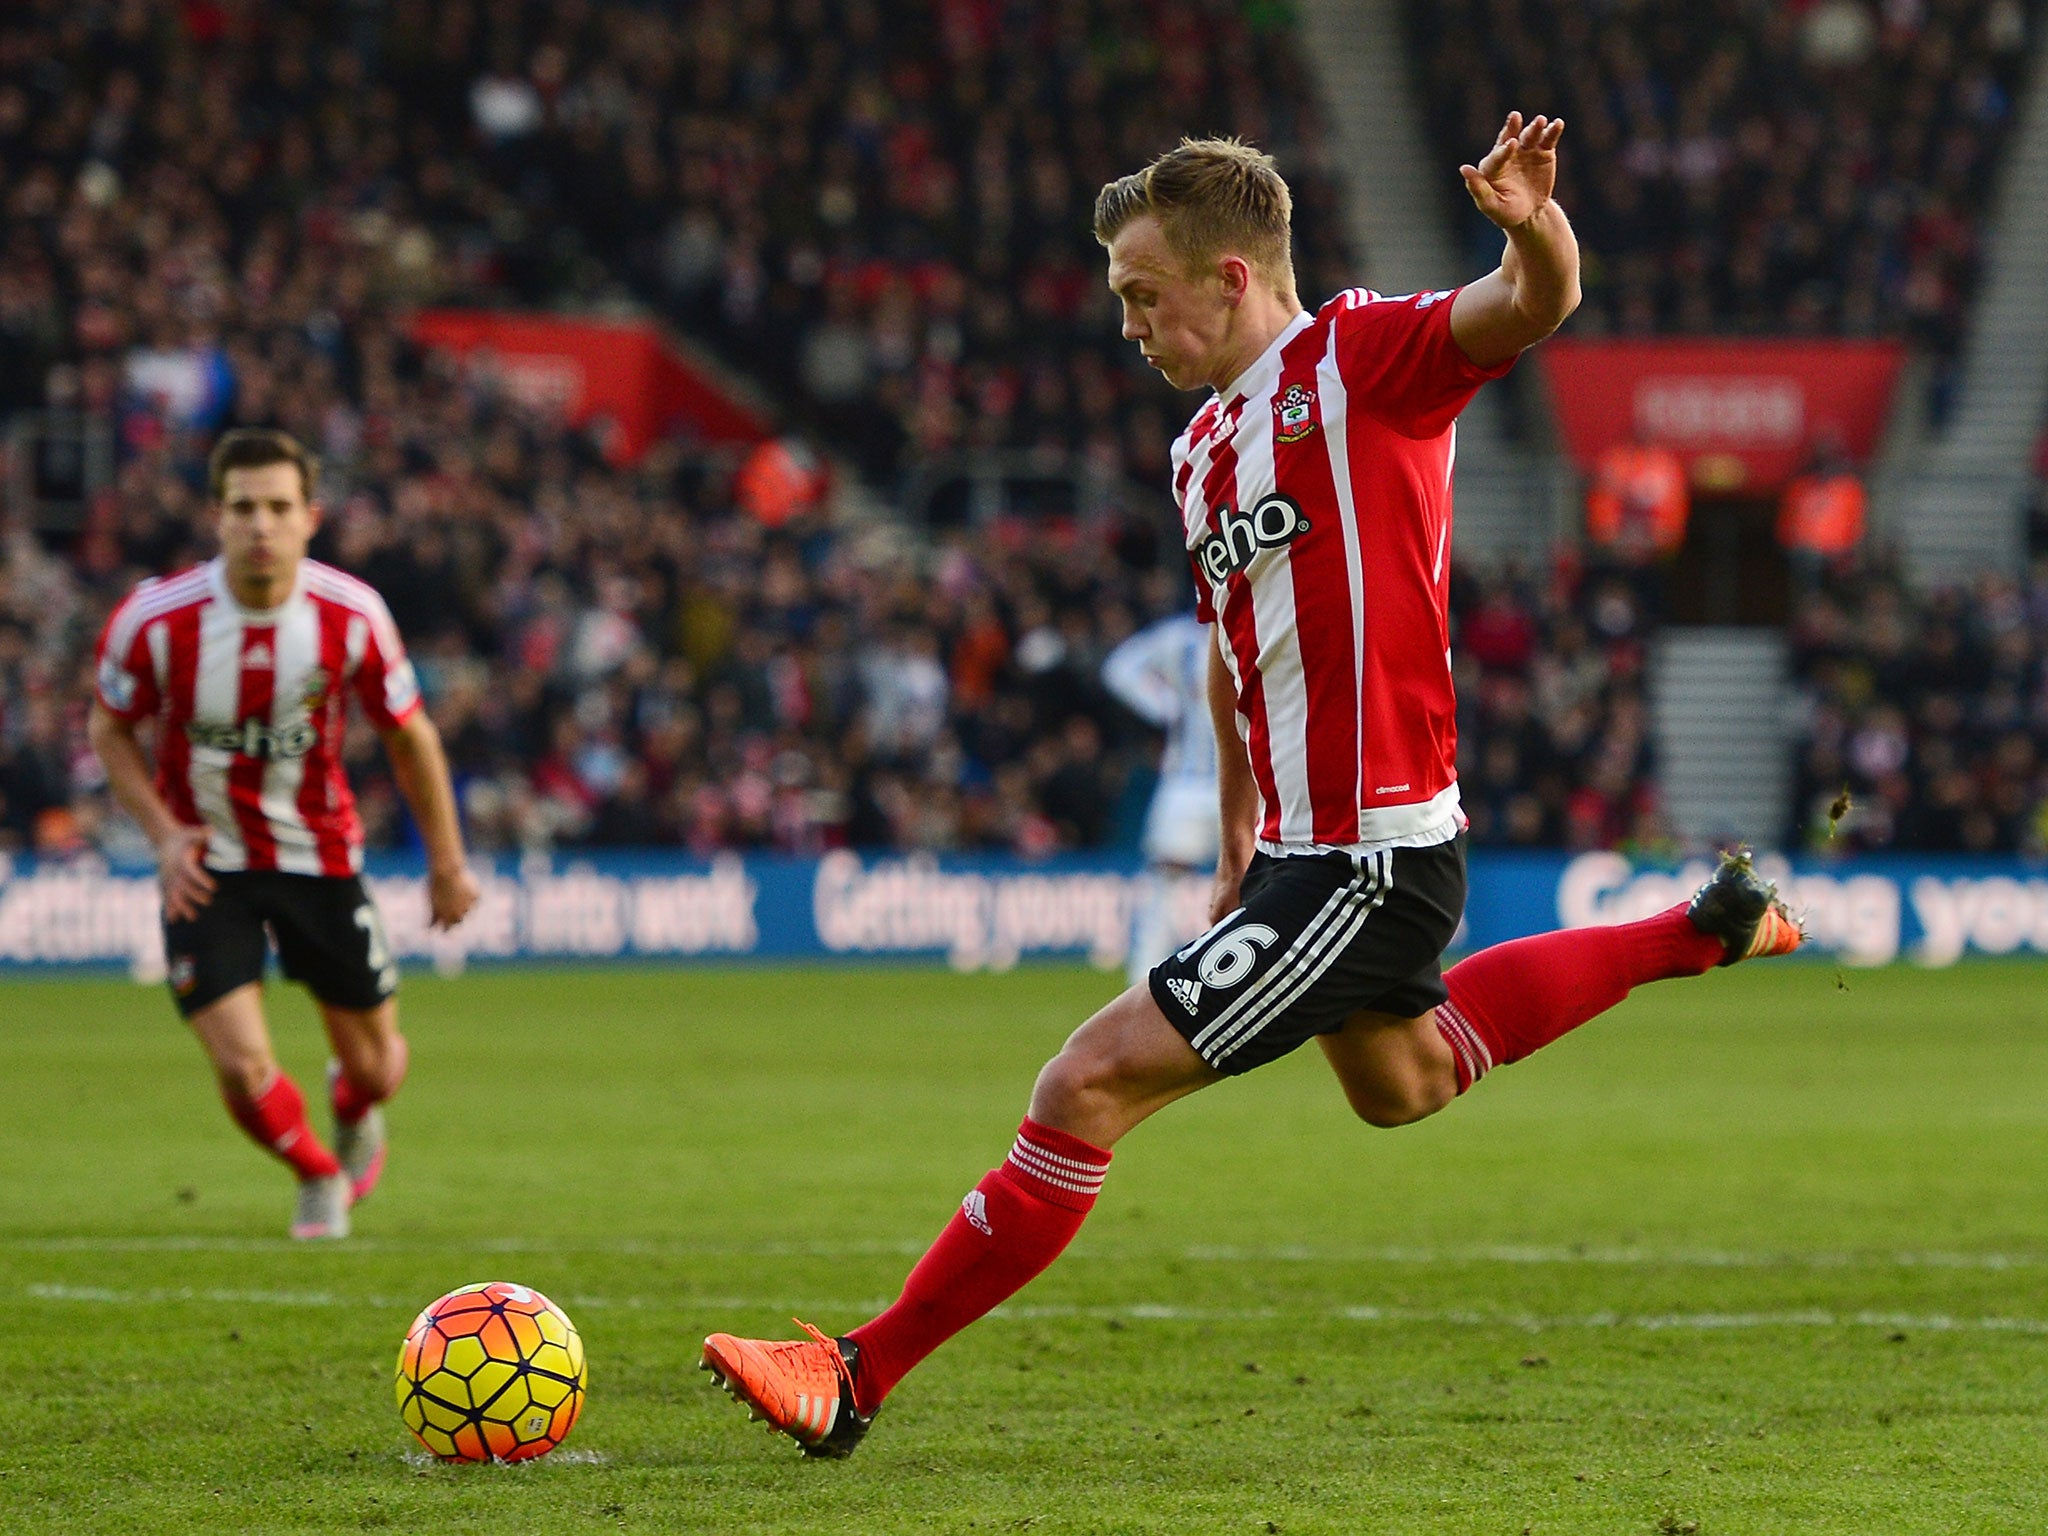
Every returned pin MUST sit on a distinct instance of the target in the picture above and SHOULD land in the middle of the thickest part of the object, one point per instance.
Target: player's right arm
(180, 848)
(1237, 792)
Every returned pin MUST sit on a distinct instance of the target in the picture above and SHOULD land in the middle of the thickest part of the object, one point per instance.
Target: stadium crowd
(1553, 723)
(878, 211)
(218, 214)
(1931, 709)
(211, 224)
(1741, 166)
(215, 216)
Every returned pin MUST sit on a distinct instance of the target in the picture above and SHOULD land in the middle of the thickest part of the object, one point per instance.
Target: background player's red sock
(276, 1120)
(351, 1103)
(1517, 997)
(1011, 1226)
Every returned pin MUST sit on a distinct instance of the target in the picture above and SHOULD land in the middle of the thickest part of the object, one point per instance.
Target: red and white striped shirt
(1316, 497)
(250, 708)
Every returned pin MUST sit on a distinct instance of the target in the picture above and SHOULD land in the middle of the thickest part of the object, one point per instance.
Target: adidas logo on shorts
(1189, 992)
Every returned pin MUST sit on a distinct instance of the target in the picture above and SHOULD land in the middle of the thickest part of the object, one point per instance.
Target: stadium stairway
(1960, 509)
(1718, 719)
(1397, 213)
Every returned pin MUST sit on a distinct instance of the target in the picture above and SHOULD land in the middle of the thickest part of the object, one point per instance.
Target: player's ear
(315, 512)
(1236, 275)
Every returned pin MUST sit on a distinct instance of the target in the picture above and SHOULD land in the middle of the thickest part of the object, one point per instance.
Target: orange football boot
(802, 1387)
(1741, 909)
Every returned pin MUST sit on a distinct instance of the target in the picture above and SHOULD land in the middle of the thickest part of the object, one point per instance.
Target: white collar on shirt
(217, 574)
(1267, 361)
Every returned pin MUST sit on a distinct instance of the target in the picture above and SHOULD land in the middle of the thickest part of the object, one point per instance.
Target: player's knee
(1077, 1081)
(243, 1075)
(376, 1067)
(1385, 1105)
(1063, 1083)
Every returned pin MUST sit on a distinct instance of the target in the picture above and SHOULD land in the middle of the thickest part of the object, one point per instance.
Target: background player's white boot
(323, 1207)
(359, 1145)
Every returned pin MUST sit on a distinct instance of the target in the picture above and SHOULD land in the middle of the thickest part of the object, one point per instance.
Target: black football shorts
(1319, 938)
(325, 927)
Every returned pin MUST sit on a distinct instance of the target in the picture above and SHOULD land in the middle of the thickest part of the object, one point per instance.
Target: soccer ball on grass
(491, 1372)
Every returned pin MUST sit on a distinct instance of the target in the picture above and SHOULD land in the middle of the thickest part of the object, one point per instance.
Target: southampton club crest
(1294, 414)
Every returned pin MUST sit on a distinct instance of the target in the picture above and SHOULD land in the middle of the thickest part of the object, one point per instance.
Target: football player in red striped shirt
(1315, 495)
(245, 666)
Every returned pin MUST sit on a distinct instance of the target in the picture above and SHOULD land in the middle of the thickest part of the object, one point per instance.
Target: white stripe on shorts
(1360, 908)
(1305, 961)
(1305, 941)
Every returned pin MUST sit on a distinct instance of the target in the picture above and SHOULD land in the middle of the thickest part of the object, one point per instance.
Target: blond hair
(1209, 196)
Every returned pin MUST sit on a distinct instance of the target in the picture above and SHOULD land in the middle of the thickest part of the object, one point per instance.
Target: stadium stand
(615, 654)
(219, 214)
(879, 211)
(1815, 168)
(1553, 724)
(1928, 709)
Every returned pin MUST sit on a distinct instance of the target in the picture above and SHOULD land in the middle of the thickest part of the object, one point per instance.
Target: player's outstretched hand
(1515, 179)
(181, 871)
(450, 894)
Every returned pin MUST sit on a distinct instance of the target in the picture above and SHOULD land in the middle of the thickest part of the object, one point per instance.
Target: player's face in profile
(1179, 319)
(265, 523)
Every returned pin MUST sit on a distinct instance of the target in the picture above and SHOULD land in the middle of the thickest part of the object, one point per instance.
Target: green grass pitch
(1753, 1254)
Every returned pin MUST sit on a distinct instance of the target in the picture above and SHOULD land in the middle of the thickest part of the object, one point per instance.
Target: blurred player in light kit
(245, 666)
(1162, 675)
(1315, 494)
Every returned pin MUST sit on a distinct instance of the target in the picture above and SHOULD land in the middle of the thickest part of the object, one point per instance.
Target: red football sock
(276, 1119)
(351, 1103)
(1012, 1224)
(1518, 997)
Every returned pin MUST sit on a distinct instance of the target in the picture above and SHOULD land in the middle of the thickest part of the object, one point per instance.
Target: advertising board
(990, 914)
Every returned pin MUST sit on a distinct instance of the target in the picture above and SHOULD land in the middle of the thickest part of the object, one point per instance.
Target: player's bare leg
(236, 1039)
(266, 1103)
(1393, 1071)
(1511, 1000)
(1124, 1064)
(370, 1060)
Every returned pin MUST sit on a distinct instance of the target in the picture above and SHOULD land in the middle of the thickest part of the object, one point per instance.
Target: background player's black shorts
(325, 927)
(1317, 939)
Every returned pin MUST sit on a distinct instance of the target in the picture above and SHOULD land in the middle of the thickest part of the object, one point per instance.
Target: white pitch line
(1514, 1254)
(1574, 1254)
(1810, 1317)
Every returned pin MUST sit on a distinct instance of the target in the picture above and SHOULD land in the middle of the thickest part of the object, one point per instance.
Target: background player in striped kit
(1315, 491)
(1162, 675)
(245, 665)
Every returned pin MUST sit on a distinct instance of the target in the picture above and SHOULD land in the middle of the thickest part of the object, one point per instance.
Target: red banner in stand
(1745, 415)
(624, 372)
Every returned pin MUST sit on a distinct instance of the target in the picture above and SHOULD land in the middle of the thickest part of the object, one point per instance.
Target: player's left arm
(1537, 284)
(421, 768)
(1237, 791)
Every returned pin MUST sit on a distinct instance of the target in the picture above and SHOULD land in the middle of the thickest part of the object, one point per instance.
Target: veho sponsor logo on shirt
(255, 738)
(1273, 522)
